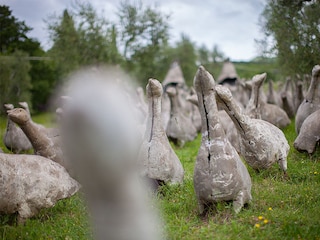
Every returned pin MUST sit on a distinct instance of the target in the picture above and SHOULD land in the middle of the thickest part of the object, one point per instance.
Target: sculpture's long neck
(313, 94)
(234, 111)
(174, 102)
(253, 107)
(36, 137)
(211, 126)
(154, 123)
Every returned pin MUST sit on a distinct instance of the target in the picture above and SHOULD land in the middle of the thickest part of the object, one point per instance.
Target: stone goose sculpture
(260, 109)
(100, 141)
(158, 159)
(309, 134)
(195, 114)
(42, 144)
(14, 138)
(286, 105)
(311, 103)
(299, 96)
(219, 173)
(180, 128)
(53, 133)
(262, 144)
(287, 98)
(30, 183)
(227, 124)
(273, 97)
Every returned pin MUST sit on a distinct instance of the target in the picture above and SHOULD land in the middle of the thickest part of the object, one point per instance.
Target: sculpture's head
(154, 88)
(18, 115)
(203, 81)
(24, 105)
(8, 106)
(316, 71)
(223, 93)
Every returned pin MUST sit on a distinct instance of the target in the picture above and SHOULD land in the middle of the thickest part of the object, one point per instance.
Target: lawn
(282, 208)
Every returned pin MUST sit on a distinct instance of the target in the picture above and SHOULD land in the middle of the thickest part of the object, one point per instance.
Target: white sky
(230, 24)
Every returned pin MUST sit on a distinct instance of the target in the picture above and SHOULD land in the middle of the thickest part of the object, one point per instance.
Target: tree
(144, 32)
(81, 37)
(293, 27)
(13, 34)
(185, 52)
(216, 54)
(15, 81)
(203, 55)
(65, 49)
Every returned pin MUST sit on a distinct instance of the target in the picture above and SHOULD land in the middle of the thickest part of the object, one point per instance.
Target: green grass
(290, 207)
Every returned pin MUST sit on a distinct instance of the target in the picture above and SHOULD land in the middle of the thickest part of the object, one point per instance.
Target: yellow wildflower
(257, 225)
(270, 208)
(260, 218)
(265, 221)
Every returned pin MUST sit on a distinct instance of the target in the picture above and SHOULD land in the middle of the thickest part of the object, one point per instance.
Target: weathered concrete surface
(43, 144)
(14, 138)
(29, 183)
(309, 134)
(157, 157)
(219, 173)
(262, 144)
(311, 103)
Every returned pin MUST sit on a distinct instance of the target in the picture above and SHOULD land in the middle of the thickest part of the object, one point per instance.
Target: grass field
(281, 208)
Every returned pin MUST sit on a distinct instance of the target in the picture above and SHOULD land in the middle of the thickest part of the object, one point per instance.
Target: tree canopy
(293, 29)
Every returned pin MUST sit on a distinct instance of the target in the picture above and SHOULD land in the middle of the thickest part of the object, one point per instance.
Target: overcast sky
(230, 24)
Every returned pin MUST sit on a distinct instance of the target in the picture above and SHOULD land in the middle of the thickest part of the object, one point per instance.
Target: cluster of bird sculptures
(113, 142)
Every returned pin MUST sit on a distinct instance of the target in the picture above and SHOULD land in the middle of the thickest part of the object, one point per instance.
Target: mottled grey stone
(30, 183)
(180, 127)
(14, 138)
(43, 144)
(262, 144)
(258, 107)
(219, 173)
(309, 134)
(311, 103)
(157, 157)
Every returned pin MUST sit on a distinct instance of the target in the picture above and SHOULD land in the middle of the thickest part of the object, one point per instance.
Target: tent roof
(228, 72)
(174, 75)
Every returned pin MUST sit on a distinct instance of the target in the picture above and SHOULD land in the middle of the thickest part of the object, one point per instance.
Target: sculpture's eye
(251, 143)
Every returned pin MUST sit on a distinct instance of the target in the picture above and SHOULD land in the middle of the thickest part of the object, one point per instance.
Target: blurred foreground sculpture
(30, 183)
(101, 140)
(262, 144)
(157, 157)
(219, 173)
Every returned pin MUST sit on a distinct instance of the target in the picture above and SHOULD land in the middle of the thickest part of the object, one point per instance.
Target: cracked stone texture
(156, 154)
(309, 134)
(262, 144)
(30, 183)
(311, 103)
(219, 173)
